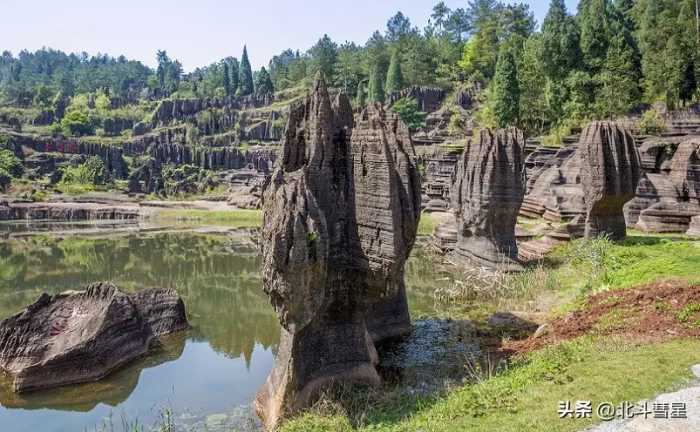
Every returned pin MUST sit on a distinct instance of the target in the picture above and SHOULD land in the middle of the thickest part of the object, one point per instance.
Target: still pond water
(207, 377)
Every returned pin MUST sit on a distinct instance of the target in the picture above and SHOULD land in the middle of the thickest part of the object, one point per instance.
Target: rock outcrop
(58, 211)
(340, 217)
(486, 196)
(610, 171)
(694, 228)
(78, 337)
(554, 190)
(675, 197)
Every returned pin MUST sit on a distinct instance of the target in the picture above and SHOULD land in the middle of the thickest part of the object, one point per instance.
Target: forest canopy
(608, 58)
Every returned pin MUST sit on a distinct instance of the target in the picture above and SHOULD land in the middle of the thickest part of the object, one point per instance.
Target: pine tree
(560, 37)
(227, 79)
(361, 96)
(233, 66)
(245, 80)
(593, 19)
(376, 84)
(619, 91)
(534, 115)
(263, 83)
(394, 78)
(505, 90)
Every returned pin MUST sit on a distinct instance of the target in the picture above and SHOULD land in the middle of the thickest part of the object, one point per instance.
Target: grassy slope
(526, 396)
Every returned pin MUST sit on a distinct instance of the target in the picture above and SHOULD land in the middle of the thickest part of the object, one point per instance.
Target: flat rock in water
(82, 336)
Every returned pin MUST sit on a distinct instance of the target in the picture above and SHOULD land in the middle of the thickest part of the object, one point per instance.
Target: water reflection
(217, 365)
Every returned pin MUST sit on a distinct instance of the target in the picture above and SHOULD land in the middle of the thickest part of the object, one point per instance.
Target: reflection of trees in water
(218, 278)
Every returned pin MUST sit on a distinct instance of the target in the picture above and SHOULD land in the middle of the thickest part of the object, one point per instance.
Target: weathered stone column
(610, 171)
(487, 192)
(387, 209)
(337, 229)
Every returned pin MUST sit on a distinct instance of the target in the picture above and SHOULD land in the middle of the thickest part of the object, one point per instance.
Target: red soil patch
(652, 312)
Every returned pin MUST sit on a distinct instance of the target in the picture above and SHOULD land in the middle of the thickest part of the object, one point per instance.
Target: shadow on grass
(420, 369)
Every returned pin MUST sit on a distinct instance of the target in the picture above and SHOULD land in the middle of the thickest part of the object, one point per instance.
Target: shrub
(407, 109)
(77, 123)
(652, 122)
(91, 172)
(11, 164)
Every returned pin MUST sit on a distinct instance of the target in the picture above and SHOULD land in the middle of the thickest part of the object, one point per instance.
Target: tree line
(47, 76)
(608, 58)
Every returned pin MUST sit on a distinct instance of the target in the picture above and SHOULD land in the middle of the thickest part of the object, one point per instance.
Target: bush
(652, 123)
(91, 172)
(407, 109)
(11, 164)
(77, 123)
(5, 180)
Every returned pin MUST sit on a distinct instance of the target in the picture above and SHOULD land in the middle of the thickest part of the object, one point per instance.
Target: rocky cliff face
(340, 217)
(610, 171)
(666, 201)
(112, 156)
(486, 194)
(428, 99)
(78, 337)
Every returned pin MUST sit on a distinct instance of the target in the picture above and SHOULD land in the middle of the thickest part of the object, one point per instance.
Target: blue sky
(199, 32)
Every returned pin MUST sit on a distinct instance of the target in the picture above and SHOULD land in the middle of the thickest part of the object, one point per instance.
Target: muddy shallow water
(207, 377)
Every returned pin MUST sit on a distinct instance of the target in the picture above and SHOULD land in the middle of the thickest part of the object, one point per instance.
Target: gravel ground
(690, 396)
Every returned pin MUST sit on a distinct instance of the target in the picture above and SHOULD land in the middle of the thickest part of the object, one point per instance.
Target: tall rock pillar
(339, 220)
(610, 171)
(487, 193)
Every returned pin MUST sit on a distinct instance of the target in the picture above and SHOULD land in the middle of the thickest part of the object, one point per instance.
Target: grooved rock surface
(554, 189)
(674, 197)
(82, 336)
(610, 171)
(694, 228)
(340, 216)
(487, 194)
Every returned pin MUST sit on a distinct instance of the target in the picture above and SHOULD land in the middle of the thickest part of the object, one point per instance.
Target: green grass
(599, 265)
(233, 218)
(427, 224)
(526, 396)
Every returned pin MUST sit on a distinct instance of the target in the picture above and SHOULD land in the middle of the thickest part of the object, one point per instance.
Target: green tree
(534, 113)
(10, 163)
(263, 83)
(407, 109)
(560, 37)
(594, 20)
(245, 80)
(398, 27)
(227, 78)
(376, 84)
(394, 78)
(505, 90)
(619, 81)
(324, 55)
(235, 81)
(361, 96)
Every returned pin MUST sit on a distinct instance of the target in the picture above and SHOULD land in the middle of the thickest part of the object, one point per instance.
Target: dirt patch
(653, 312)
